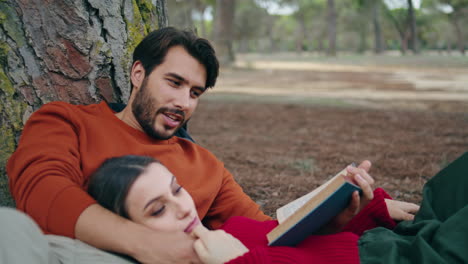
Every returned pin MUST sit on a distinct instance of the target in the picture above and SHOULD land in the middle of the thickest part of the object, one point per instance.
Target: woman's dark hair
(110, 183)
(153, 49)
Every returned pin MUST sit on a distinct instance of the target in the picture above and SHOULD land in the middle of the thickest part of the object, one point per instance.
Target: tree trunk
(300, 32)
(400, 29)
(331, 22)
(459, 33)
(362, 39)
(64, 50)
(201, 10)
(378, 39)
(223, 31)
(412, 24)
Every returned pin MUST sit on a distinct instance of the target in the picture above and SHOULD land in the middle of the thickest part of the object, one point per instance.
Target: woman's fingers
(401, 211)
(200, 231)
(201, 250)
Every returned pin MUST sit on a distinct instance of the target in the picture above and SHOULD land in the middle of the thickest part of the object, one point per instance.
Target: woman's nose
(183, 209)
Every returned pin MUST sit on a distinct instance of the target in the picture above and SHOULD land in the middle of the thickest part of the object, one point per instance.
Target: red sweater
(336, 248)
(62, 144)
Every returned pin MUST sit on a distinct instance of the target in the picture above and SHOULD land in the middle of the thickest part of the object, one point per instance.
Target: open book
(305, 215)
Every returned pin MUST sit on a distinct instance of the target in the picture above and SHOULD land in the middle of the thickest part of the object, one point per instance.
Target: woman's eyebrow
(159, 197)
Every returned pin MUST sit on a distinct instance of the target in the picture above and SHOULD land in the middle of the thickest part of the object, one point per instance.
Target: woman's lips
(192, 225)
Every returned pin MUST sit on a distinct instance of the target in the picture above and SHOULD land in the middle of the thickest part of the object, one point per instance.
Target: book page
(287, 210)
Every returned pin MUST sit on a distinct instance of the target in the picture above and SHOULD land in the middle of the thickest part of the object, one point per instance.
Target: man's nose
(182, 100)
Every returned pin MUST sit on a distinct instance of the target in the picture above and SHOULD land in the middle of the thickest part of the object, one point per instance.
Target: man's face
(166, 99)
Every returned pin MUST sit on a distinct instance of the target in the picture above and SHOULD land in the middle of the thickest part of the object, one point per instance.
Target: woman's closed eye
(159, 211)
(177, 189)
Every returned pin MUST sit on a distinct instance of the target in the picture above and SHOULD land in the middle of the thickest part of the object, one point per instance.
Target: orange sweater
(62, 144)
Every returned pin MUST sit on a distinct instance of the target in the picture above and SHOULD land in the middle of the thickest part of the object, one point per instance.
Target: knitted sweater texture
(335, 248)
(62, 144)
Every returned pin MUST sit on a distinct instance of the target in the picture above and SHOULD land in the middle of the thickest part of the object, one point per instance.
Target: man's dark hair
(153, 49)
(110, 183)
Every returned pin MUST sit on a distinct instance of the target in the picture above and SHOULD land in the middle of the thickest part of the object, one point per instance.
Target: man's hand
(105, 230)
(360, 177)
(173, 247)
(217, 247)
(400, 211)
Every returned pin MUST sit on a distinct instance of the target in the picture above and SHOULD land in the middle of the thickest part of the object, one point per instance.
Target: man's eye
(195, 93)
(158, 212)
(173, 82)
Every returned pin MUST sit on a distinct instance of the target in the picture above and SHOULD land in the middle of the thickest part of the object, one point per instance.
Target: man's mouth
(172, 120)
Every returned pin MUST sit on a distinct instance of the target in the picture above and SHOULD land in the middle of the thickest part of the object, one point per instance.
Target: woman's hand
(216, 247)
(400, 211)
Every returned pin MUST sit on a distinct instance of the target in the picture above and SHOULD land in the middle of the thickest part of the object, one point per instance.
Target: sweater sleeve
(232, 201)
(44, 171)
(337, 248)
(373, 215)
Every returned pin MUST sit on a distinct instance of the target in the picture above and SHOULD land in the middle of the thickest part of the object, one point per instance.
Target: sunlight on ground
(382, 78)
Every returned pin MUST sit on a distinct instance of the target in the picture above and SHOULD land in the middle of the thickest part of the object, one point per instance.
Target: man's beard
(145, 110)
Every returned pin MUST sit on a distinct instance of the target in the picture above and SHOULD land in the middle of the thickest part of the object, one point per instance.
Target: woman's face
(157, 201)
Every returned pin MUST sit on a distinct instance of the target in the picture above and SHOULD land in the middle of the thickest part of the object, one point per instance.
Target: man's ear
(137, 75)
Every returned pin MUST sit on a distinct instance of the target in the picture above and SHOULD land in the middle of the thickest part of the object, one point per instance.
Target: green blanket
(439, 232)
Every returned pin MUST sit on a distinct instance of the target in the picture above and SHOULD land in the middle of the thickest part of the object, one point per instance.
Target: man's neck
(126, 115)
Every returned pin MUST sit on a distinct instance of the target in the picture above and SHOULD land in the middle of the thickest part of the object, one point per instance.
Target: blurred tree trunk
(65, 50)
(331, 23)
(378, 39)
(200, 6)
(270, 34)
(413, 39)
(300, 32)
(223, 30)
(401, 30)
(362, 38)
(455, 21)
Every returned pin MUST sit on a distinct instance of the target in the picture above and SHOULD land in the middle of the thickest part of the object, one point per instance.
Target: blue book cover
(328, 202)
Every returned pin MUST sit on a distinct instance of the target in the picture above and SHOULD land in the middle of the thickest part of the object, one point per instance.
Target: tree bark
(454, 19)
(378, 39)
(412, 24)
(65, 50)
(300, 32)
(401, 31)
(331, 22)
(223, 31)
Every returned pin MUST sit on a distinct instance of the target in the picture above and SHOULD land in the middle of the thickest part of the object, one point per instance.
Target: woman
(143, 190)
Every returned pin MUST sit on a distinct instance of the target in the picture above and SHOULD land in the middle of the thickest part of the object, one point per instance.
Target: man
(62, 144)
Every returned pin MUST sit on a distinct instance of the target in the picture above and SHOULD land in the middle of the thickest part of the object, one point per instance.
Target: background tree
(456, 12)
(412, 26)
(398, 17)
(223, 30)
(331, 20)
(73, 51)
(182, 12)
(252, 25)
